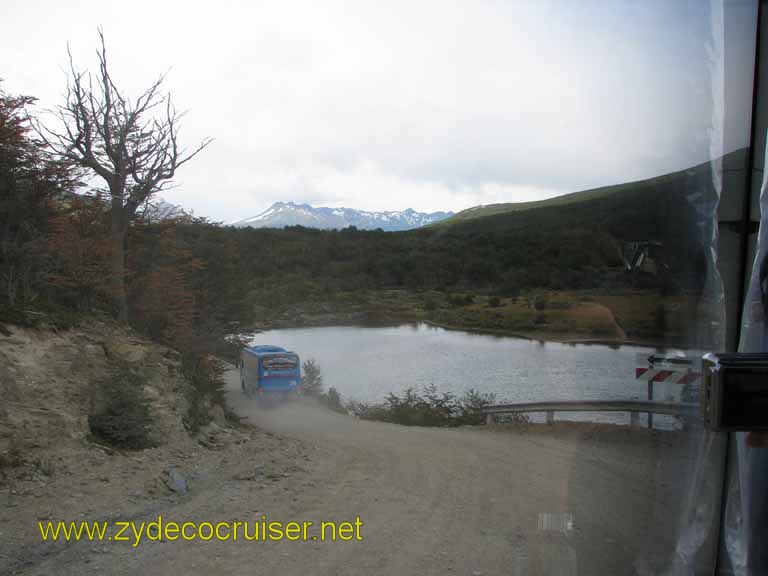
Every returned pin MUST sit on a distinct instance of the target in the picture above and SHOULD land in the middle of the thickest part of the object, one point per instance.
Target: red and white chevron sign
(662, 375)
(675, 370)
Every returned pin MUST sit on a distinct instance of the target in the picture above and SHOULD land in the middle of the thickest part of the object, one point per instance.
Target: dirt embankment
(49, 382)
(52, 469)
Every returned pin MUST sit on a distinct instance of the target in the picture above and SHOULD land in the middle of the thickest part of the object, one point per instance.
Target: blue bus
(269, 371)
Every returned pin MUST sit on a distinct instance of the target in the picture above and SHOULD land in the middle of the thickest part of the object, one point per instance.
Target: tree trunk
(117, 280)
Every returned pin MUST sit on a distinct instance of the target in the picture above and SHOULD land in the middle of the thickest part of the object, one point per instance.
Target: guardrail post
(550, 417)
(634, 419)
(650, 399)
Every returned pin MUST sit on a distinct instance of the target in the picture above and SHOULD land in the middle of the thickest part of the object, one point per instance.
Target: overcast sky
(385, 105)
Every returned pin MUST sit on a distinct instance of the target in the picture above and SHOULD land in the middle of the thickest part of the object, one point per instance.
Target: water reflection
(367, 363)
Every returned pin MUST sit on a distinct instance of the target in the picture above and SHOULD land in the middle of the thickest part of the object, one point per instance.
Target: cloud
(388, 105)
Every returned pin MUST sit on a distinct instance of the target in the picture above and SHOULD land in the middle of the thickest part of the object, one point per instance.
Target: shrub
(122, 417)
(312, 385)
(45, 465)
(428, 407)
(494, 302)
(367, 410)
(42, 313)
(205, 375)
(454, 301)
(457, 300)
(311, 379)
(332, 400)
(12, 458)
(471, 405)
(514, 418)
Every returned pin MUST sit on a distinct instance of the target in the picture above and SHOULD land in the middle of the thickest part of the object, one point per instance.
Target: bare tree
(132, 145)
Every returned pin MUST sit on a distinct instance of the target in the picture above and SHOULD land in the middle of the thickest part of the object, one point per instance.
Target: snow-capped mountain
(282, 214)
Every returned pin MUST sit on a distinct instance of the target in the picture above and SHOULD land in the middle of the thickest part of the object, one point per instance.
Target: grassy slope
(577, 315)
(734, 158)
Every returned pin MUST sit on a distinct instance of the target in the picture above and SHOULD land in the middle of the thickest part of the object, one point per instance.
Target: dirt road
(437, 501)
(432, 501)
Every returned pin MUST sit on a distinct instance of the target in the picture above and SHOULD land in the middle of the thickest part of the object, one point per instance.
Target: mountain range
(282, 214)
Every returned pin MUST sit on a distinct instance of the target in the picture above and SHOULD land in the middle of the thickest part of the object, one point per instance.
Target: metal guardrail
(634, 407)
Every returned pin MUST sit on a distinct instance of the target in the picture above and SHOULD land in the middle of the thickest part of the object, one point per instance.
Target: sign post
(674, 369)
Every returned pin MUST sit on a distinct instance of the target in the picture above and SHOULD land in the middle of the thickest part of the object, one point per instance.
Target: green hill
(665, 180)
(576, 241)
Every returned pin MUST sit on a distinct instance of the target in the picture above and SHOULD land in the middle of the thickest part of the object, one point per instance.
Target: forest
(191, 282)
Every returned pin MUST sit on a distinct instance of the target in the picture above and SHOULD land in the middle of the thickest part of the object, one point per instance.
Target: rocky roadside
(52, 469)
(95, 483)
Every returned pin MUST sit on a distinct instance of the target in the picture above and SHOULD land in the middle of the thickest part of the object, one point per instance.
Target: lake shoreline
(581, 317)
(556, 338)
(364, 321)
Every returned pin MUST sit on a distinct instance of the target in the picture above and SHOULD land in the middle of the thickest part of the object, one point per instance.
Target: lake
(367, 363)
